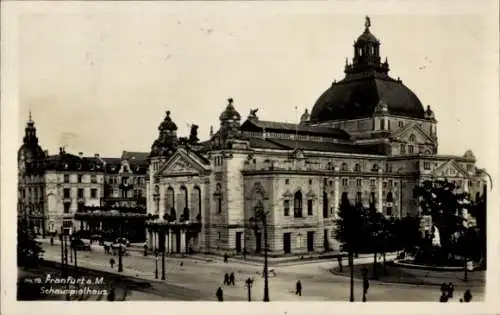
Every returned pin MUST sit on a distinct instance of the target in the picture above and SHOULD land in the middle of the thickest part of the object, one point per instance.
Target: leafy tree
(440, 200)
(29, 251)
(407, 233)
(478, 211)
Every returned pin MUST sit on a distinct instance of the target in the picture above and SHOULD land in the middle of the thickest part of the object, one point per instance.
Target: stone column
(466, 186)
(380, 203)
(183, 241)
(336, 192)
(190, 191)
(171, 237)
(167, 241)
(162, 201)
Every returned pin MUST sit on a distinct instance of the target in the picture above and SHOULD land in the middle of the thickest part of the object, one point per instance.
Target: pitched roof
(260, 125)
(282, 144)
(135, 156)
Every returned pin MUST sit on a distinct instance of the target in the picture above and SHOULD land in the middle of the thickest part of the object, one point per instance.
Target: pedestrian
(226, 279)
(366, 286)
(219, 294)
(298, 288)
(226, 258)
(451, 288)
(444, 287)
(111, 262)
(111, 295)
(231, 278)
(444, 297)
(145, 249)
(51, 240)
(339, 261)
(467, 296)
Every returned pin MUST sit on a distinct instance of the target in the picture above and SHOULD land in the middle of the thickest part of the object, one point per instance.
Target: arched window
(372, 199)
(196, 201)
(412, 138)
(389, 197)
(344, 167)
(357, 168)
(170, 200)
(358, 198)
(184, 207)
(297, 205)
(375, 168)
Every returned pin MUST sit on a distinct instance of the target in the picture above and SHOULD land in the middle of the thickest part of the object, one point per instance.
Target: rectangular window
(358, 182)
(80, 192)
(66, 178)
(410, 149)
(358, 197)
(403, 149)
(79, 178)
(66, 207)
(93, 193)
(93, 179)
(345, 181)
(309, 207)
(427, 166)
(67, 193)
(287, 181)
(390, 183)
(384, 185)
(286, 207)
(372, 182)
(310, 182)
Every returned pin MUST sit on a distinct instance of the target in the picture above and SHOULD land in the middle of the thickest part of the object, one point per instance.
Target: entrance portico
(175, 237)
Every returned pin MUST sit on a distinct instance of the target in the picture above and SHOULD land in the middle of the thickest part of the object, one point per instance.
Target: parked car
(80, 245)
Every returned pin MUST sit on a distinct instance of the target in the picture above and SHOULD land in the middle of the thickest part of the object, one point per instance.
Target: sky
(98, 78)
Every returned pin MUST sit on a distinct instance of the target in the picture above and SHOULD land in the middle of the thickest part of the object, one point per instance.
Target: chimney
(96, 155)
(80, 154)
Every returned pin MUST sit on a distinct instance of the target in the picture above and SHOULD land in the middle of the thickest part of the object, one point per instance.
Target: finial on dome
(168, 113)
(29, 117)
(230, 101)
(367, 22)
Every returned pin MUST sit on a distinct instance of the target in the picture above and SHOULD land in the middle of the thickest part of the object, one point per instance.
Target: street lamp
(261, 215)
(156, 265)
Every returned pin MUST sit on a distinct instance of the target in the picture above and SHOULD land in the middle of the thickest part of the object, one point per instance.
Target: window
(345, 181)
(412, 138)
(66, 178)
(297, 205)
(427, 166)
(410, 149)
(218, 198)
(344, 167)
(357, 168)
(93, 179)
(286, 207)
(219, 237)
(67, 193)
(330, 183)
(372, 182)
(384, 185)
(390, 183)
(125, 169)
(469, 167)
(325, 205)
(80, 192)
(310, 182)
(93, 193)
(403, 148)
(66, 207)
(80, 178)
(287, 181)
(375, 168)
(358, 182)
(401, 124)
(309, 207)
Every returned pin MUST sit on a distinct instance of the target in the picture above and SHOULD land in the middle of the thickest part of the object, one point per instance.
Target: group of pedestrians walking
(447, 290)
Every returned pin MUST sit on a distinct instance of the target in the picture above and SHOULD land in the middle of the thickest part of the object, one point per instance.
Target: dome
(358, 97)
(168, 123)
(230, 113)
(367, 89)
(32, 152)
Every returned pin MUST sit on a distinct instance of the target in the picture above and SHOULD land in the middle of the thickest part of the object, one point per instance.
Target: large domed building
(368, 139)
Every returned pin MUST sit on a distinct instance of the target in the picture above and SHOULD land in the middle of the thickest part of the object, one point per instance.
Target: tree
(407, 234)
(348, 229)
(29, 251)
(478, 211)
(440, 200)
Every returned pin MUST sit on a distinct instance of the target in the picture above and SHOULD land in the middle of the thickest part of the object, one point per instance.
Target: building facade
(368, 138)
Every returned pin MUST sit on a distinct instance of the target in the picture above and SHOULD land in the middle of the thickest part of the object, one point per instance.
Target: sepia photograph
(253, 151)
